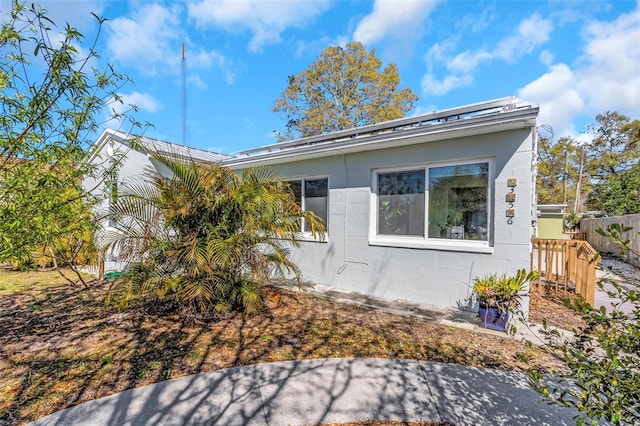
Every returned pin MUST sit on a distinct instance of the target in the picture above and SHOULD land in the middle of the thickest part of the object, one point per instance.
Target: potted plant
(500, 294)
(571, 221)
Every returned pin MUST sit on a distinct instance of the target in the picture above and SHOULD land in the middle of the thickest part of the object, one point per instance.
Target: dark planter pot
(493, 317)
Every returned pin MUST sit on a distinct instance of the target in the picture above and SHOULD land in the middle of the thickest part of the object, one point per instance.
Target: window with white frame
(312, 195)
(401, 203)
(111, 193)
(434, 202)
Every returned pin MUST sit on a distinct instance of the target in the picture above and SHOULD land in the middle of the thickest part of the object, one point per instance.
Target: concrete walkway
(313, 392)
(602, 297)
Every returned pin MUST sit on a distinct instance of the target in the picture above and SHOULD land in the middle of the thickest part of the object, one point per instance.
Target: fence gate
(565, 266)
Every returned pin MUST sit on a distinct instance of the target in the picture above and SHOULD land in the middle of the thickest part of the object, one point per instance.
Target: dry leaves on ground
(59, 346)
(550, 307)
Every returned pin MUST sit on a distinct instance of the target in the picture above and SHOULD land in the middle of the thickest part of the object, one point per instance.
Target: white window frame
(424, 242)
(112, 186)
(307, 235)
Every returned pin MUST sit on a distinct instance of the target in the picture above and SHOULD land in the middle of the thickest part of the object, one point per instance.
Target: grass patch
(14, 282)
(73, 349)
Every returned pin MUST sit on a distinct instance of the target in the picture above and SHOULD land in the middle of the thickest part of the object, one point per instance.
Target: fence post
(590, 290)
(567, 262)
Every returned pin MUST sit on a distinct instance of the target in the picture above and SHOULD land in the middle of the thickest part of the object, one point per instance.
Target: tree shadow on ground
(72, 349)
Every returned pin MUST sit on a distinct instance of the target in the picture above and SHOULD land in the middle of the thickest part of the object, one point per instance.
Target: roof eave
(503, 121)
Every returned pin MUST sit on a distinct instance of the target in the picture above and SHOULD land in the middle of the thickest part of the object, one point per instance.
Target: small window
(312, 195)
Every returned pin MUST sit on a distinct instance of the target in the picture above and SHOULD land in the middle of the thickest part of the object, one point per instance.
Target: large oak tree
(343, 88)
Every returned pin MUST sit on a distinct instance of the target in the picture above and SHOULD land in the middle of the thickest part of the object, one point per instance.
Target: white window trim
(109, 187)
(424, 242)
(306, 235)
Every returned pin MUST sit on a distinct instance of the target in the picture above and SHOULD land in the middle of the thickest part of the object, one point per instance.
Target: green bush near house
(205, 237)
(602, 379)
(503, 291)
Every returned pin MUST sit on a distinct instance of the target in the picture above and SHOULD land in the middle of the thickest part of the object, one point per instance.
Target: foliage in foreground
(205, 237)
(50, 99)
(603, 358)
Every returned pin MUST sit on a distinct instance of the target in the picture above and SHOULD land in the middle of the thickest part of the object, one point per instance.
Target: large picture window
(312, 195)
(440, 202)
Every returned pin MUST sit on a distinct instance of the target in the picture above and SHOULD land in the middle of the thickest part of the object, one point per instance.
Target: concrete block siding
(349, 261)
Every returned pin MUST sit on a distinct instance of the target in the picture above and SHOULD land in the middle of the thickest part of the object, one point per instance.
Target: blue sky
(574, 58)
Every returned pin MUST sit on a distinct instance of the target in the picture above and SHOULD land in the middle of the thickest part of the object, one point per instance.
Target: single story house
(415, 208)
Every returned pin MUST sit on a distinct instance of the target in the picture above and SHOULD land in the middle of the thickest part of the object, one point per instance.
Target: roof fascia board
(100, 143)
(145, 145)
(477, 107)
(508, 120)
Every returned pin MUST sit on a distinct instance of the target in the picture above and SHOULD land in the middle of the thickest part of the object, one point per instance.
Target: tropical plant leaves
(204, 236)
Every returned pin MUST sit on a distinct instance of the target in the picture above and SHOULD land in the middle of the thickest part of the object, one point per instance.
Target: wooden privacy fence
(565, 265)
(605, 244)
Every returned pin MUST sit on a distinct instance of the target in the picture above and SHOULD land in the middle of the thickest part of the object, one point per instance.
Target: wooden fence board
(588, 226)
(566, 265)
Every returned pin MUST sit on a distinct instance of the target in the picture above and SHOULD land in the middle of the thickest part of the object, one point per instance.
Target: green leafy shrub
(603, 359)
(503, 291)
(205, 237)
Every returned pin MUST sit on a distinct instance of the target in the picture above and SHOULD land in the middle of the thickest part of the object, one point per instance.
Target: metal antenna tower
(184, 100)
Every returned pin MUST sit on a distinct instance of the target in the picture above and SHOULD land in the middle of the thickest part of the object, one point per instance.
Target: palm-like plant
(204, 236)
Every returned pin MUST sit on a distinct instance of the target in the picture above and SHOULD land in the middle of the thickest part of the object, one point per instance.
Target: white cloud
(475, 23)
(142, 101)
(605, 78)
(558, 97)
(148, 38)
(531, 33)
(197, 82)
(158, 37)
(399, 19)
(468, 61)
(125, 105)
(206, 59)
(546, 57)
(611, 77)
(266, 20)
(433, 86)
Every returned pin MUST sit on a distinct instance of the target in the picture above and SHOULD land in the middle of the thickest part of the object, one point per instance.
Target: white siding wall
(133, 163)
(438, 277)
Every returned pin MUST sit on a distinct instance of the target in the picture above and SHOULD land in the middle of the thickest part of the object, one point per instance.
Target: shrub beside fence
(604, 244)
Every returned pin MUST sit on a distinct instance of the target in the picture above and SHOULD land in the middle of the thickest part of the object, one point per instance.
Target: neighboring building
(415, 208)
(131, 153)
(550, 221)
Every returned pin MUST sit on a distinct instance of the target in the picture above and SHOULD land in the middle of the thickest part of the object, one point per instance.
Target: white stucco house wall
(131, 152)
(415, 208)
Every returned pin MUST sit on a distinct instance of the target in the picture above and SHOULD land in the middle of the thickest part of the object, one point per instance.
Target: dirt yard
(59, 345)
